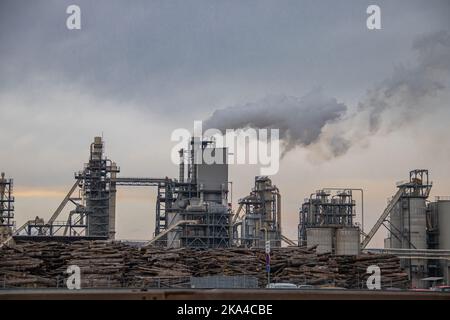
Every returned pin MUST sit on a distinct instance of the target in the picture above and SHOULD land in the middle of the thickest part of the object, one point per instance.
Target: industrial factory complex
(193, 212)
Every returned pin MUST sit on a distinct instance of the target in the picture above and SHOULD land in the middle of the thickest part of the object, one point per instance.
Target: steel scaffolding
(261, 218)
(326, 209)
(6, 206)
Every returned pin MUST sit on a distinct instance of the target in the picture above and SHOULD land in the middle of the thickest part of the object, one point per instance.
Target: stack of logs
(115, 265)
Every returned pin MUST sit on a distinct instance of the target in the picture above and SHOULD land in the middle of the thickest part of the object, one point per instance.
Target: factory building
(196, 213)
(327, 221)
(258, 218)
(193, 211)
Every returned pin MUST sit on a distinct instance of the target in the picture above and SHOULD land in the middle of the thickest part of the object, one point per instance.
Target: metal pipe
(266, 239)
(181, 165)
(362, 202)
(278, 195)
(112, 201)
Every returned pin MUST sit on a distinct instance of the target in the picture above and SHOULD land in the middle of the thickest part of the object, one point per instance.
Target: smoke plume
(408, 87)
(325, 124)
(300, 120)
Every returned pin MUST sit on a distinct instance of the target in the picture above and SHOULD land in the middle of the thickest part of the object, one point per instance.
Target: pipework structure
(407, 222)
(193, 211)
(95, 202)
(97, 181)
(327, 221)
(6, 206)
(258, 218)
(190, 212)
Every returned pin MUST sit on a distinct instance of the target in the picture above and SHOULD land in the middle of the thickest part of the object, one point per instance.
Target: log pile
(19, 269)
(101, 264)
(115, 265)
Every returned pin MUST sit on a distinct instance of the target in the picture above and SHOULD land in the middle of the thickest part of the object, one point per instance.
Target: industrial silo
(322, 237)
(348, 241)
(415, 237)
(443, 207)
(416, 223)
(396, 222)
(408, 223)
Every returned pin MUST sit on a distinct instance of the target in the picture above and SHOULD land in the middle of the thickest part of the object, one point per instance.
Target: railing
(442, 198)
(111, 282)
(414, 253)
(402, 182)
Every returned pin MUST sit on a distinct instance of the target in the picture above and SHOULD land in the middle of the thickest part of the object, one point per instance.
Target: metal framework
(418, 186)
(203, 205)
(325, 208)
(165, 197)
(405, 217)
(6, 202)
(211, 230)
(94, 213)
(261, 216)
(98, 191)
(75, 226)
(205, 208)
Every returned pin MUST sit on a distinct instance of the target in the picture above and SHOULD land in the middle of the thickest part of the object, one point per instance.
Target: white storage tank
(444, 224)
(408, 217)
(416, 223)
(348, 241)
(322, 237)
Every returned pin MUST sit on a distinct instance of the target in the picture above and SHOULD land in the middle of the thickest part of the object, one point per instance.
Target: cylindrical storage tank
(444, 224)
(322, 237)
(416, 223)
(348, 241)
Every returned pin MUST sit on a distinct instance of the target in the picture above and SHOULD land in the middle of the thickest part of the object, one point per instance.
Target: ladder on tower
(383, 217)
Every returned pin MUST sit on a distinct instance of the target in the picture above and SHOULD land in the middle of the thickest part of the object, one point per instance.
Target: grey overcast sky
(139, 69)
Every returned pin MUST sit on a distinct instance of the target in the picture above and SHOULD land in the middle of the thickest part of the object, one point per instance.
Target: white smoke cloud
(408, 87)
(300, 120)
(328, 128)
